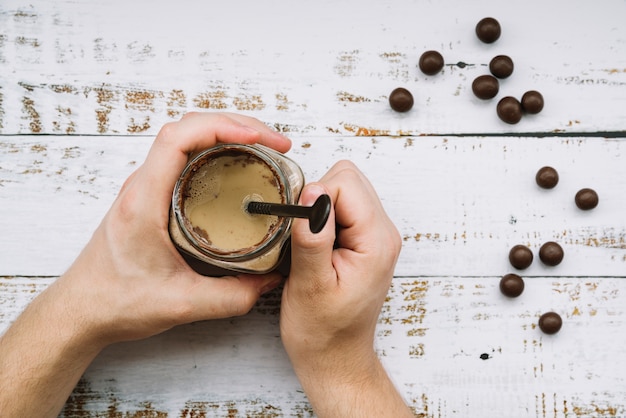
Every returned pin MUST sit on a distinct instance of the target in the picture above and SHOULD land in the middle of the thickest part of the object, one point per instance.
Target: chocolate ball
(509, 110)
(401, 100)
(547, 177)
(551, 253)
(501, 66)
(586, 199)
(485, 87)
(520, 257)
(532, 102)
(431, 62)
(488, 30)
(550, 323)
(511, 285)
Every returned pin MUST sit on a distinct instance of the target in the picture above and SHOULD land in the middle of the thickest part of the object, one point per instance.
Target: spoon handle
(317, 214)
(278, 209)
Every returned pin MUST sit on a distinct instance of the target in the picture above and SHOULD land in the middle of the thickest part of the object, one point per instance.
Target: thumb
(311, 254)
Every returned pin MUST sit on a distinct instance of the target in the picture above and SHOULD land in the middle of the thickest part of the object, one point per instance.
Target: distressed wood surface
(321, 68)
(85, 86)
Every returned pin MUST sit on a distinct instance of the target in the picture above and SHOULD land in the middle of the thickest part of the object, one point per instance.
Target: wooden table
(85, 87)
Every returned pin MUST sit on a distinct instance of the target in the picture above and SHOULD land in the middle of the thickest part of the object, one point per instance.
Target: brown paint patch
(71, 152)
(28, 108)
(38, 148)
(176, 101)
(428, 236)
(422, 412)
(24, 16)
(211, 100)
(249, 102)
(414, 298)
(398, 68)
(135, 127)
(194, 410)
(597, 410)
(417, 332)
(362, 131)
(24, 41)
(142, 100)
(416, 350)
(57, 125)
(105, 96)
(282, 102)
(63, 88)
(82, 396)
(282, 127)
(392, 56)
(344, 96)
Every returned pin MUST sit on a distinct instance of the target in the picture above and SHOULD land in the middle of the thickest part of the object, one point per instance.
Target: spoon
(317, 214)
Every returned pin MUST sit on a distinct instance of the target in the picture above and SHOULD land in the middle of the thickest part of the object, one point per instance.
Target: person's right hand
(333, 297)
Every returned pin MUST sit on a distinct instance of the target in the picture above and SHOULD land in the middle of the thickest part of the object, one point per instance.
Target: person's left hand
(130, 282)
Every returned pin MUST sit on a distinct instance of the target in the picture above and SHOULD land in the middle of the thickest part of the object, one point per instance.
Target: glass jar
(209, 224)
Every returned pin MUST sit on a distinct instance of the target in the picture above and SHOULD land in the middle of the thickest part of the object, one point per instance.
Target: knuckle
(167, 132)
(346, 165)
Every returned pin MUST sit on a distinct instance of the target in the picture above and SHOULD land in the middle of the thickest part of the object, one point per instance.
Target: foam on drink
(216, 197)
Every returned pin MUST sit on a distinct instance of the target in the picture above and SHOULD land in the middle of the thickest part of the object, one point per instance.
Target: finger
(311, 254)
(270, 137)
(197, 131)
(224, 297)
(356, 199)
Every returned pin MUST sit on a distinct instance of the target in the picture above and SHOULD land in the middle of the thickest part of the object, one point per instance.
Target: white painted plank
(318, 69)
(431, 335)
(459, 203)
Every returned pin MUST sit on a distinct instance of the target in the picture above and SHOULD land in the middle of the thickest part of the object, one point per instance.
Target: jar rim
(274, 234)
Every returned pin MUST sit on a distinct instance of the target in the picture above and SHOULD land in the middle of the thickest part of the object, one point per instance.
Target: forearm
(366, 391)
(42, 357)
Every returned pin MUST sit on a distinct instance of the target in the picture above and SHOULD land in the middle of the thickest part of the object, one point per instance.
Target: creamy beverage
(216, 196)
(209, 222)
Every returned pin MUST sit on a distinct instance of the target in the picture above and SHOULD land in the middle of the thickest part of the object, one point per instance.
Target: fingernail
(271, 286)
(310, 194)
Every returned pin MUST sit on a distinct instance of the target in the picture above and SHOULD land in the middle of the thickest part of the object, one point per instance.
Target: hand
(334, 295)
(130, 281)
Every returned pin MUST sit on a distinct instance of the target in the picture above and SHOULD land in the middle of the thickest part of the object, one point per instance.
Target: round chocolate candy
(547, 177)
(509, 110)
(401, 100)
(520, 257)
(431, 62)
(511, 285)
(488, 30)
(551, 253)
(586, 199)
(532, 102)
(485, 87)
(501, 66)
(550, 323)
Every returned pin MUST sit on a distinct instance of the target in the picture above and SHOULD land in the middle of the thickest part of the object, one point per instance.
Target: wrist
(364, 390)
(319, 369)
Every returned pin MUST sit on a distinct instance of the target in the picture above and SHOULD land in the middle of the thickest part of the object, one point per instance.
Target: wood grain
(75, 67)
(460, 204)
(85, 86)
